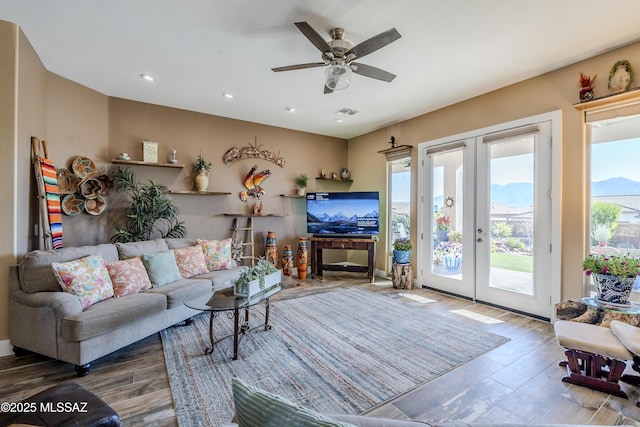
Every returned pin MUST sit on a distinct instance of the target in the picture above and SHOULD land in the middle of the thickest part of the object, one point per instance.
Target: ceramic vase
(613, 289)
(401, 257)
(586, 94)
(201, 181)
(287, 260)
(620, 80)
(344, 174)
(272, 248)
(302, 258)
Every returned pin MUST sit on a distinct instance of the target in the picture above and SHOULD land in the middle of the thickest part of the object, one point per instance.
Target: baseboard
(6, 349)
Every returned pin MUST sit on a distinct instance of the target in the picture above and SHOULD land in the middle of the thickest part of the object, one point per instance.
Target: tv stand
(342, 243)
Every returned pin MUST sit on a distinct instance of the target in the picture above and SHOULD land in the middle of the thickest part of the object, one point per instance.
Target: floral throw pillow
(217, 253)
(128, 276)
(86, 278)
(190, 261)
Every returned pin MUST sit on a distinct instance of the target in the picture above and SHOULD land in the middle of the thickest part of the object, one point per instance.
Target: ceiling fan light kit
(337, 77)
(338, 54)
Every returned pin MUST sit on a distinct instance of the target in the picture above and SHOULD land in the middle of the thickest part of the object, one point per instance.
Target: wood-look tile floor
(518, 382)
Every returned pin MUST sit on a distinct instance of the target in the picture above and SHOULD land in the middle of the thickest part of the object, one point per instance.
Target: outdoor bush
(606, 213)
(514, 243)
(501, 229)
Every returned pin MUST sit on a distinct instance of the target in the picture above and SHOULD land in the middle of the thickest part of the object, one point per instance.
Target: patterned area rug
(342, 351)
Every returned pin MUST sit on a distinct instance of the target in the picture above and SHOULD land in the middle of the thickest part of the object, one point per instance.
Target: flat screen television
(343, 213)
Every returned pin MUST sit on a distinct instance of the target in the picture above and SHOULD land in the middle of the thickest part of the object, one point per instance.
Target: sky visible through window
(615, 159)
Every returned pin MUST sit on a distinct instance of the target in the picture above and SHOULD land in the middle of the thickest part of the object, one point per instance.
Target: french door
(487, 217)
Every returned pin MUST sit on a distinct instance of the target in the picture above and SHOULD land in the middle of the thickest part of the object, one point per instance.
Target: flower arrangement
(402, 244)
(613, 265)
(201, 165)
(443, 223)
(586, 82)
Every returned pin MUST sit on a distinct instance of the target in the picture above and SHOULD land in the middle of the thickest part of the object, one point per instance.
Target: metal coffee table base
(239, 329)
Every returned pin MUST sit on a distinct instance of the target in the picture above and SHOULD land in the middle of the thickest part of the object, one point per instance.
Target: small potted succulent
(402, 250)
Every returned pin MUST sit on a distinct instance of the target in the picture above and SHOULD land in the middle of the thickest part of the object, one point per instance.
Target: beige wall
(553, 91)
(8, 82)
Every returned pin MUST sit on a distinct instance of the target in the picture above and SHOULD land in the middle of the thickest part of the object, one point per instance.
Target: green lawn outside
(512, 262)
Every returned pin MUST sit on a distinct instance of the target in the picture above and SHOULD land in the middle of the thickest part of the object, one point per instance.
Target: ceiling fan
(338, 56)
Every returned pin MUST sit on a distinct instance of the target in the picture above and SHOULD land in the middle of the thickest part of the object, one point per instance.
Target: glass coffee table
(217, 302)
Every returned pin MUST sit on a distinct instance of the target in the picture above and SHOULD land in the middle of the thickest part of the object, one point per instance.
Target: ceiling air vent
(346, 111)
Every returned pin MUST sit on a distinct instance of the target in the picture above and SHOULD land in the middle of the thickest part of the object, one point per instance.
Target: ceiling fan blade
(373, 72)
(313, 36)
(327, 90)
(299, 66)
(374, 43)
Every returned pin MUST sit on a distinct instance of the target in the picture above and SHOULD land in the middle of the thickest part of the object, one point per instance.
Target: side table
(402, 276)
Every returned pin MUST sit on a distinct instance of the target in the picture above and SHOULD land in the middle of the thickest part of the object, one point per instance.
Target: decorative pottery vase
(442, 235)
(201, 181)
(302, 258)
(586, 94)
(401, 257)
(344, 174)
(287, 260)
(453, 262)
(272, 248)
(613, 289)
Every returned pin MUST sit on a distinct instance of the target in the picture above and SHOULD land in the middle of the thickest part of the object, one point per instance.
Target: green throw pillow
(162, 267)
(255, 407)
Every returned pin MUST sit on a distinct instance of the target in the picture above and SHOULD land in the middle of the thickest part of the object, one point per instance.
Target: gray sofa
(45, 320)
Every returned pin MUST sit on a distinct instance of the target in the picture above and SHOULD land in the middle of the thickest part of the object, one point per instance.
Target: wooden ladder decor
(50, 213)
(240, 244)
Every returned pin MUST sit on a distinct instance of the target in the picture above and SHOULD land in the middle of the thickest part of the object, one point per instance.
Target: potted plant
(301, 182)
(150, 210)
(257, 279)
(201, 167)
(613, 276)
(443, 225)
(585, 83)
(402, 250)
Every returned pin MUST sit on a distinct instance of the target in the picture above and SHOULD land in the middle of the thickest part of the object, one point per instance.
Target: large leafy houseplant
(150, 210)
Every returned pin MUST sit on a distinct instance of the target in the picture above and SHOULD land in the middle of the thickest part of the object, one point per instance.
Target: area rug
(341, 351)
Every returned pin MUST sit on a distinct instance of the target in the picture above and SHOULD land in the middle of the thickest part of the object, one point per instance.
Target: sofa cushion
(86, 278)
(111, 314)
(176, 292)
(35, 271)
(162, 267)
(222, 279)
(255, 407)
(128, 276)
(131, 249)
(217, 253)
(180, 242)
(190, 261)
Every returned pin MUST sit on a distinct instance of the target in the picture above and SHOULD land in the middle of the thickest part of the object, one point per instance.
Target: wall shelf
(606, 100)
(254, 215)
(201, 193)
(294, 196)
(139, 163)
(333, 180)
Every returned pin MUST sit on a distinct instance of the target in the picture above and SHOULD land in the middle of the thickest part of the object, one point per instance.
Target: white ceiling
(450, 50)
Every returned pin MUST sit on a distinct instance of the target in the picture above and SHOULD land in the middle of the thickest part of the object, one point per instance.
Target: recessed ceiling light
(290, 109)
(227, 95)
(337, 120)
(148, 77)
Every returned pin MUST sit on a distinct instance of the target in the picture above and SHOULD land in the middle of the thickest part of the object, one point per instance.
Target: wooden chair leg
(594, 371)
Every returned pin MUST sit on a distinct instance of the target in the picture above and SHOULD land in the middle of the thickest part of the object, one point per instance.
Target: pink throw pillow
(217, 253)
(128, 276)
(190, 261)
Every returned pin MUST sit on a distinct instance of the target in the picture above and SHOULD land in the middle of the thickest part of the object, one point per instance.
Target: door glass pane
(615, 187)
(400, 193)
(447, 203)
(512, 207)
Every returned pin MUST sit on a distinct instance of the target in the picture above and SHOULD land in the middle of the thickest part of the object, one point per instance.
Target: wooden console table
(342, 243)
